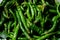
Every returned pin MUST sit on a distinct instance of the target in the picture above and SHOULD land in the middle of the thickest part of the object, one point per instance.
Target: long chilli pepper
(30, 19)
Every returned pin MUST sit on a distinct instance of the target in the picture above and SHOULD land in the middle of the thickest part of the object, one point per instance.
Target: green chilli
(52, 10)
(44, 36)
(1, 20)
(20, 24)
(53, 26)
(32, 10)
(9, 24)
(15, 32)
(14, 24)
(5, 25)
(28, 14)
(22, 18)
(9, 4)
(12, 14)
(58, 10)
(38, 17)
(5, 15)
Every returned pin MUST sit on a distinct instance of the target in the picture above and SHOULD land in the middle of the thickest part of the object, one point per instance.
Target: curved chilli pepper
(12, 14)
(55, 18)
(32, 10)
(36, 14)
(14, 24)
(28, 14)
(39, 11)
(20, 24)
(45, 36)
(38, 17)
(9, 4)
(6, 6)
(15, 32)
(50, 30)
(58, 10)
(35, 10)
(6, 11)
(54, 25)
(5, 15)
(22, 18)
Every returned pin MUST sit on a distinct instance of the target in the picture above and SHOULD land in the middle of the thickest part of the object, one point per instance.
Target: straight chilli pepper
(9, 25)
(22, 18)
(21, 27)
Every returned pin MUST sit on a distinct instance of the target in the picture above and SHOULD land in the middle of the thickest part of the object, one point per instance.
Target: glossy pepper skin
(30, 19)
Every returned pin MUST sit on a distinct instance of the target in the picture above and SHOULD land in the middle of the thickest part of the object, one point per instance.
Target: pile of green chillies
(30, 19)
